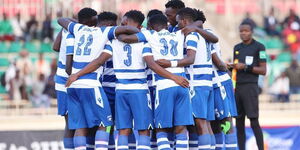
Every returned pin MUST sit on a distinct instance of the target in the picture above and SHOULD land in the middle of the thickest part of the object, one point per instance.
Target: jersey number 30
(85, 44)
(173, 49)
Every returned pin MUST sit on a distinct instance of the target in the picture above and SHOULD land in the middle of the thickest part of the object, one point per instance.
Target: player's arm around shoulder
(92, 66)
(148, 57)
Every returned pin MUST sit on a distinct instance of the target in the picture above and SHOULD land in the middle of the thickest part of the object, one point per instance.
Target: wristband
(248, 68)
(174, 63)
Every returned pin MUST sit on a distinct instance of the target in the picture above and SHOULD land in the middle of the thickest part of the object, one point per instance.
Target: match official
(249, 62)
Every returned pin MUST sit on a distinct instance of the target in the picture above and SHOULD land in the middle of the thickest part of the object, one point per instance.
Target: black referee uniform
(247, 91)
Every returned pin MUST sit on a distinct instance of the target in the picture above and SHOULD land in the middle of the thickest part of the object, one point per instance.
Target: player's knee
(81, 132)
(180, 129)
(124, 132)
(254, 122)
(144, 132)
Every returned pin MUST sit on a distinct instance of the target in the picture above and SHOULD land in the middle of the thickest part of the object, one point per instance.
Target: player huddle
(166, 82)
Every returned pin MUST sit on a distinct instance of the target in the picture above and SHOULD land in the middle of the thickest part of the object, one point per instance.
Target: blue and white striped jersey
(200, 73)
(89, 43)
(165, 45)
(129, 65)
(108, 78)
(67, 44)
(219, 77)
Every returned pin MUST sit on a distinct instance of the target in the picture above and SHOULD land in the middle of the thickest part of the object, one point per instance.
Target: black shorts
(246, 96)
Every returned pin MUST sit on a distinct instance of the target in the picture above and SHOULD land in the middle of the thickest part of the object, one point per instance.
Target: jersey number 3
(128, 61)
(85, 44)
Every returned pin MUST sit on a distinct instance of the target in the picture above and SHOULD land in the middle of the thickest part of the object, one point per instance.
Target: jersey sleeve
(147, 51)
(73, 28)
(108, 48)
(111, 33)
(191, 41)
(70, 44)
(262, 53)
(145, 36)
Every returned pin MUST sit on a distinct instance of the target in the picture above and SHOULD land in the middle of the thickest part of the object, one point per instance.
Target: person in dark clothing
(270, 24)
(250, 61)
(47, 30)
(31, 28)
(293, 73)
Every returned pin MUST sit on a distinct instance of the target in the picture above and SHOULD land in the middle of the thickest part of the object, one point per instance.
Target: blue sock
(212, 142)
(131, 141)
(231, 141)
(153, 143)
(79, 142)
(193, 141)
(90, 143)
(111, 142)
(182, 142)
(162, 141)
(219, 141)
(143, 142)
(123, 142)
(204, 142)
(68, 144)
(101, 139)
(171, 138)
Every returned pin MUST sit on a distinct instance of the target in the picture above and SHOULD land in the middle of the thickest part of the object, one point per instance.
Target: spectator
(293, 73)
(280, 88)
(292, 21)
(38, 98)
(31, 28)
(271, 23)
(47, 31)
(25, 66)
(249, 20)
(13, 82)
(50, 84)
(18, 26)
(41, 67)
(5, 26)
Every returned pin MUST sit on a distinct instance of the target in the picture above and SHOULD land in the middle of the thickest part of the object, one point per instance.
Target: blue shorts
(173, 108)
(152, 95)
(110, 93)
(62, 103)
(133, 107)
(203, 103)
(225, 107)
(88, 107)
